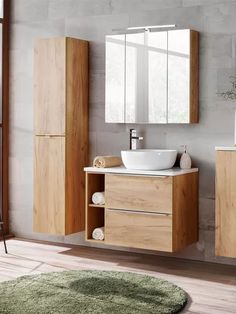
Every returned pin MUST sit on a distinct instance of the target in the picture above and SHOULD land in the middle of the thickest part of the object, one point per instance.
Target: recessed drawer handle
(49, 135)
(138, 212)
(136, 175)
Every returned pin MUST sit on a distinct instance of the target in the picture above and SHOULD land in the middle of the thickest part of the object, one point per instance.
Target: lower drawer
(138, 230)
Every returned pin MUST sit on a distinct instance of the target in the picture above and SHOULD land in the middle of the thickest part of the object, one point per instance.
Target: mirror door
(115, 79)
(136, 79)
(157, 77)
(178, 76)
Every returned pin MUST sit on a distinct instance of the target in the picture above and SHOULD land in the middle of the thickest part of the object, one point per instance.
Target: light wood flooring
(211, 287)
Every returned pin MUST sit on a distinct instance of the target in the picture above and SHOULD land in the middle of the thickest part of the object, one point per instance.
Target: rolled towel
(98, 198)
(98, 234)
(107, 161)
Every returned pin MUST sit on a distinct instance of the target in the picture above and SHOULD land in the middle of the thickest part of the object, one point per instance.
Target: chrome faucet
(133, 138)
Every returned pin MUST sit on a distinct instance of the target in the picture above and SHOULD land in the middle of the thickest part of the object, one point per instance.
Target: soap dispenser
(185, 160)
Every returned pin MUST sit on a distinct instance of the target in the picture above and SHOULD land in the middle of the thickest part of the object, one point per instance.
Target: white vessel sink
(149, 159)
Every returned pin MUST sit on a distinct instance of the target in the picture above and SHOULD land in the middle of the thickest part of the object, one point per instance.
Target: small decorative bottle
(185, 160)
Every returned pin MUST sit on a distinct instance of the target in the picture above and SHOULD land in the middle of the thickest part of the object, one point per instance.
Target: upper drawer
(153, 194)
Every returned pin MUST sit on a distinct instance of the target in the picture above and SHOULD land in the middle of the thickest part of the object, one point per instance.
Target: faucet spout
(133, 138)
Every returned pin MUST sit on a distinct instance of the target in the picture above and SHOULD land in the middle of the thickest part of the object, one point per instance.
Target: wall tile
(25, 10)
(141, 5)
(182, 17)
(78, 8)
(25, 34)
(94, 28)
(188, 3)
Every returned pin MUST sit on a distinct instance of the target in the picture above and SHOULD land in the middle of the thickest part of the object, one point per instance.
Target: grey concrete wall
(91, 20)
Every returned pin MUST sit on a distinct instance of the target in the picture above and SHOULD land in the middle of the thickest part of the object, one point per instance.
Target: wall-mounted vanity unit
(152, 77)
(155, 210)
(226, 201)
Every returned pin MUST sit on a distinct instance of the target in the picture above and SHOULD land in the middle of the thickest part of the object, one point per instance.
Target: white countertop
(122, 170)
(225, 148)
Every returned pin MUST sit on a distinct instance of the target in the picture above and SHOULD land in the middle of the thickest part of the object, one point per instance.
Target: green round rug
(73, 292)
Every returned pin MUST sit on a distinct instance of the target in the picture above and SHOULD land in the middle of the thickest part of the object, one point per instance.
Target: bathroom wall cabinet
(152, 77)
(226, 202)
(61, 134)
(155, 210)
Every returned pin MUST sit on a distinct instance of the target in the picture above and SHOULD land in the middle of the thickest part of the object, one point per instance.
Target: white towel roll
(98, 198)
(107, 161)
(98, 234)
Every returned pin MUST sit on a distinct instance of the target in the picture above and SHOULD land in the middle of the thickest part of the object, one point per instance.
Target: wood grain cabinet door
(152, 194)
(49, 185)
(50, 86)
(138, 230)
(226, 203)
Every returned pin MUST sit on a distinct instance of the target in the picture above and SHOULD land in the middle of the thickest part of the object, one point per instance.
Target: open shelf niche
(94, 213)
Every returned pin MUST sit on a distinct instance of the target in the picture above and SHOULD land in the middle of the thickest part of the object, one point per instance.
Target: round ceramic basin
(149, 159)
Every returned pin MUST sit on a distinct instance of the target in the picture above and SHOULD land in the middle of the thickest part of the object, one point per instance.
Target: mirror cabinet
(152, 77)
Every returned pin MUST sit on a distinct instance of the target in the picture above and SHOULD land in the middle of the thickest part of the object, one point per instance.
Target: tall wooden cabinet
(61, 134)
(226, 202)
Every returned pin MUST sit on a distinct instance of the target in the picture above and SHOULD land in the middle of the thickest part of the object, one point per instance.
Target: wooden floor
(211, 287)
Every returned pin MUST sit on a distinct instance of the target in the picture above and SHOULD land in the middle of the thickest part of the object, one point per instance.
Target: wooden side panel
(138, 230)
(153, 194)
(49, 86)
(185, 210)
(194, 77)
(226, 203)
(49, 185)
(76, 132)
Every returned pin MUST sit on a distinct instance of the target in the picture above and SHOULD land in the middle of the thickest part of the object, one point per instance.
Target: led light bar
(151, 27)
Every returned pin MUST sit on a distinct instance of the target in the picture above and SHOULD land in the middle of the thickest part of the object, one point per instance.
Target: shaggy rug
(74, 292)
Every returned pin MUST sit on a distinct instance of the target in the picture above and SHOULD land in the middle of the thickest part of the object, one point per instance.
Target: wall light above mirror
(152, 77)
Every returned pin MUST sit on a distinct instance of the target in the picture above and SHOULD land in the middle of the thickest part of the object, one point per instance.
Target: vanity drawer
(138, 230)
(144, 193)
